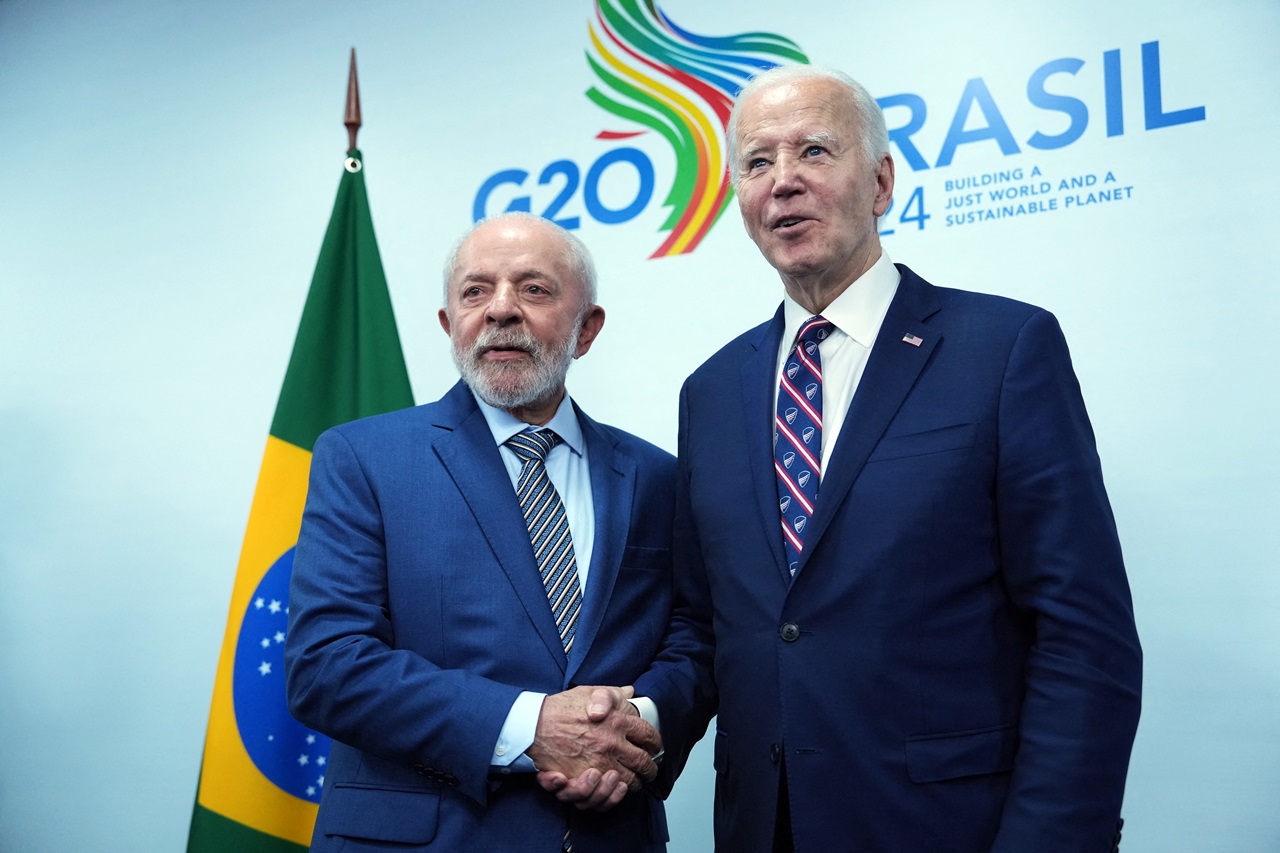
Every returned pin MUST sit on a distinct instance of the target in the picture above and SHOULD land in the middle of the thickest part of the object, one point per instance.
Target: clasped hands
(591, 747)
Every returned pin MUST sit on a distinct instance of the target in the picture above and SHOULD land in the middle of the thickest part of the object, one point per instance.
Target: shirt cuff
(648, 712)
(517, 735)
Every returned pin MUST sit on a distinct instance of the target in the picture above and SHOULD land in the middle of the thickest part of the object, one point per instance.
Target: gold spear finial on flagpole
(352, 120)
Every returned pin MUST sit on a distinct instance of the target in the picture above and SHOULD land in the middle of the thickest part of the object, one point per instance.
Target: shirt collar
(858, 311)
(564, 423)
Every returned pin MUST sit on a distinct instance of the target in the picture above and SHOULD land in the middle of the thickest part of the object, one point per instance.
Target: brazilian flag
(262, 772)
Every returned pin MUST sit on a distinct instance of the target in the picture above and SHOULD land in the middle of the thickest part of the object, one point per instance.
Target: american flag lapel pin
(912, 339)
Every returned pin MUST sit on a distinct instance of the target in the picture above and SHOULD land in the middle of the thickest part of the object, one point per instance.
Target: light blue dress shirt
(571, 475)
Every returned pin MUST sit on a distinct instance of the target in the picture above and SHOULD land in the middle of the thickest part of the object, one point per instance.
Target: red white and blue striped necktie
(797, 435)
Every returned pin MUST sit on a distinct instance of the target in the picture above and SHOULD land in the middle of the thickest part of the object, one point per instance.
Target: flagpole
(352, 119)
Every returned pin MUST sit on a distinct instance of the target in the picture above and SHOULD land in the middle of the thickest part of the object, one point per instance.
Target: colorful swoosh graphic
(681, 86)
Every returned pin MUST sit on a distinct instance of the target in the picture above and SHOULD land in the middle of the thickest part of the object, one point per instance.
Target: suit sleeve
(680, 681)
(1064, 572)
(345, 675)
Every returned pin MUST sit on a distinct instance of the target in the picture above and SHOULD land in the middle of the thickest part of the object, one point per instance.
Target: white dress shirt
(857, 314)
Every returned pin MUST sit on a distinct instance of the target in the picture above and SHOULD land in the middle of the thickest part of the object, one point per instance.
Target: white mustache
(506, 339)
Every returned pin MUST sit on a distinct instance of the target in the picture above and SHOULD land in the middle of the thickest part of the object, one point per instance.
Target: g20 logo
(561, 183)
(658, 79)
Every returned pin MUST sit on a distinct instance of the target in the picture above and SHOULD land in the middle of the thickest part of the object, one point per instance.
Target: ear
(444, 321)
(884, 185)
(591, 326)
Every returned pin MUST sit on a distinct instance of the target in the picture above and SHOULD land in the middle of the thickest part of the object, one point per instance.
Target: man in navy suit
(423, 637)
(898, 580)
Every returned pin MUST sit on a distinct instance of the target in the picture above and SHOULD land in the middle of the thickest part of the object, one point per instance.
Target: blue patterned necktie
(797, 435)
(548, 529)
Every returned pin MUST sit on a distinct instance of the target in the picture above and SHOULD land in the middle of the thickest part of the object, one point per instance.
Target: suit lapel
(759, 373)
(892, 369)
(613, 482)
(469, 454)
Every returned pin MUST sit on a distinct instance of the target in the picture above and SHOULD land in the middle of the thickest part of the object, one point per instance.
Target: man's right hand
(591, 747)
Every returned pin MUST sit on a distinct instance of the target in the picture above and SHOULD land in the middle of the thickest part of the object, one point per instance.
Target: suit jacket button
(790, 632)
(775, 752)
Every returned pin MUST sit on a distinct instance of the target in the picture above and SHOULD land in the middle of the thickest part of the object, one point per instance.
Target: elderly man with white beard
(468, 568)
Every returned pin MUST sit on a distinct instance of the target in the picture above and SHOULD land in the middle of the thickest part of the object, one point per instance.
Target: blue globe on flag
(288, 753)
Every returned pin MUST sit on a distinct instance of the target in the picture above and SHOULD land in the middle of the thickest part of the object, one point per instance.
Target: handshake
(591, 747)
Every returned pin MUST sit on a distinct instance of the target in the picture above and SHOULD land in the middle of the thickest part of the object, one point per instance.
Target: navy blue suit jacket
(955, 666)
(417, 616)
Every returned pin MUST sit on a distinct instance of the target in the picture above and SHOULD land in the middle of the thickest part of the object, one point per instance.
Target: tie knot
(533, 445)
(815, 330)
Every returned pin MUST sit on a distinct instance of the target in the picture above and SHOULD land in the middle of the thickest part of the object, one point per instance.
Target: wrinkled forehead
(509, 246)
(796, 109)
(515, 250)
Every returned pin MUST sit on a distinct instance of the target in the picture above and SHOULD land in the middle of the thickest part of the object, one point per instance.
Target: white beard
(515, 384)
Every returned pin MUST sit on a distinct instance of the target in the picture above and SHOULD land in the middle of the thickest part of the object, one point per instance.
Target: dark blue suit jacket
(417, 616)
(955, 666)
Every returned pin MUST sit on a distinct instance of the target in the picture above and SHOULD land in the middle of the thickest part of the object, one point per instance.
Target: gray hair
(873, 139)
(575, 254)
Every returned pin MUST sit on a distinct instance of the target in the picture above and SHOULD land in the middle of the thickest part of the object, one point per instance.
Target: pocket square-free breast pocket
(939, 440)
(641, 557)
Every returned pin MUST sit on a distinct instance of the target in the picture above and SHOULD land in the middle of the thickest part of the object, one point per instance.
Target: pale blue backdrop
(166, 173)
